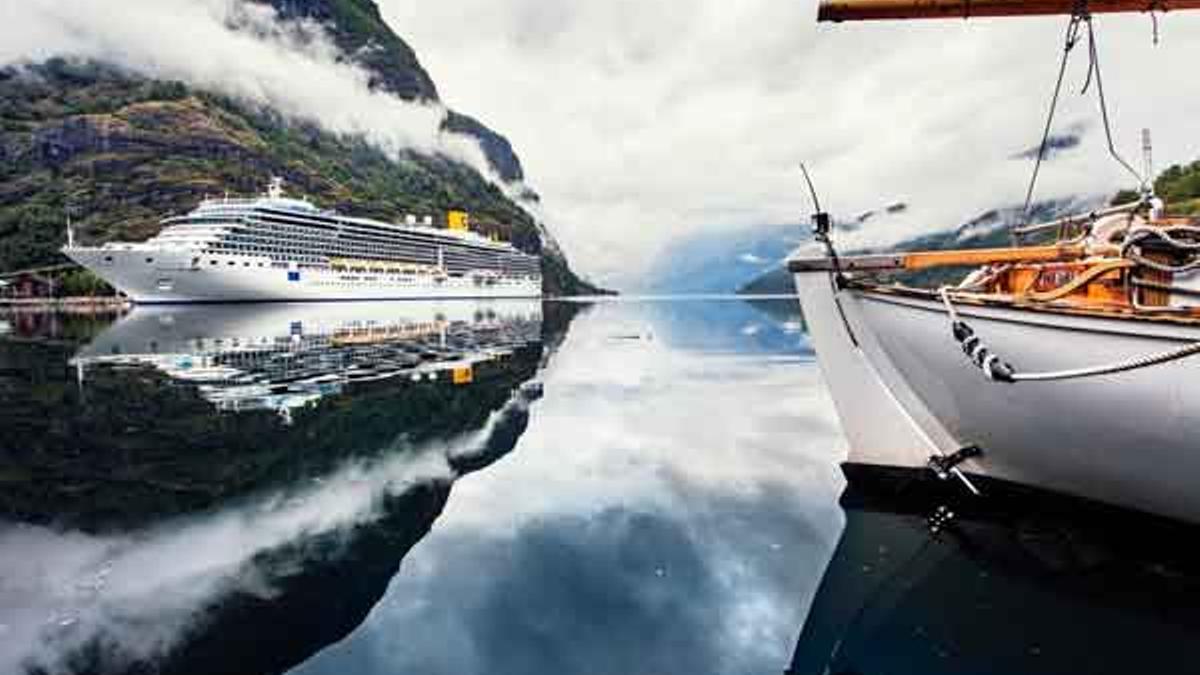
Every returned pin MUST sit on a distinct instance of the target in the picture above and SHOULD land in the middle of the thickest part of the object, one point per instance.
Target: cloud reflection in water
(669, 510)
(119, 599)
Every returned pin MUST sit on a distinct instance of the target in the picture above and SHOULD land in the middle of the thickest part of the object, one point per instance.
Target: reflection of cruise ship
(285, 356)
(277, 248)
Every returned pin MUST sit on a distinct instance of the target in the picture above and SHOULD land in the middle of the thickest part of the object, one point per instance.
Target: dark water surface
(516, 487)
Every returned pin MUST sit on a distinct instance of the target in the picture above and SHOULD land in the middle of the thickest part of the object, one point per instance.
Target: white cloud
(639, 121)
(236, 48)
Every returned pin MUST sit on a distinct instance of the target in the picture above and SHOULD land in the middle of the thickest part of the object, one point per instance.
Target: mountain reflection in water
(176, 409)
(161, 528)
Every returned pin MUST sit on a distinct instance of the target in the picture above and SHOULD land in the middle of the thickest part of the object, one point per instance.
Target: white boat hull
(150, 276)
(905, 391)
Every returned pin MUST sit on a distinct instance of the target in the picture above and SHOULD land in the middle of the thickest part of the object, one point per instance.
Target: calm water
(511, 487)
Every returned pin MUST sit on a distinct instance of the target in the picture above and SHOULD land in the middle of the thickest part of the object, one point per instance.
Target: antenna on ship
(1158, 207)
(1148, 159)
(70, 230)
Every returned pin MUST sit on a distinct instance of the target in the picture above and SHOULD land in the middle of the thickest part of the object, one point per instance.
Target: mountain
(1178, 185)
(359, 31)
(118, 150)
(362, 36)
(990, 228)
(721, 261)
(776, 281)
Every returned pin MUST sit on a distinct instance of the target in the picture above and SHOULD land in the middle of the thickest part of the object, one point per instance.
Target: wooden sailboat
(1073, 364)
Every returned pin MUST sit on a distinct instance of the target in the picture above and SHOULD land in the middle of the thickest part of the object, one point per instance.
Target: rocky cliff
(359, 32)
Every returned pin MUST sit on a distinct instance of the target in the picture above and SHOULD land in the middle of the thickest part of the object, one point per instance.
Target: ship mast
(870, 10)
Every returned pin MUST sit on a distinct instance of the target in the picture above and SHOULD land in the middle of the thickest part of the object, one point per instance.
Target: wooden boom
(869, 10)
(922, 260)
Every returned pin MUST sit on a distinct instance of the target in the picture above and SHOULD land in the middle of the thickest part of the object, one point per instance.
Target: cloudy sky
(640, 121)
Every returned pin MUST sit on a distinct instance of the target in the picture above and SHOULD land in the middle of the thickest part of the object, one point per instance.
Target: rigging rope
(1094, 65)
(1071, 38)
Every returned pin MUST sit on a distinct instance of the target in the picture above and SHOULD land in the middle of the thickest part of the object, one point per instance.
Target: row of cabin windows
(360, 234)
(256, 241)
(233, 263)
(451, 260)
(324, 234)
(275, 232)
(450, 257)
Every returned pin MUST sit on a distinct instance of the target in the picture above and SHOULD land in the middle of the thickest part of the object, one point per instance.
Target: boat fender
(983, 358)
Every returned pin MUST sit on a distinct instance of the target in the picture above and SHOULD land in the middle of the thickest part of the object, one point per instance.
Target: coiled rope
(998, 370)
(1139, 235)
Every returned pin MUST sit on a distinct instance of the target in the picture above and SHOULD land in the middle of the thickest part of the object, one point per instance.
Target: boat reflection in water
(283, 357)
(230, 489)
(928, 580)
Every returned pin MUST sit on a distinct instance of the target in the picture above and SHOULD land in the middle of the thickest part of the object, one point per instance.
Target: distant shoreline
(81, 304)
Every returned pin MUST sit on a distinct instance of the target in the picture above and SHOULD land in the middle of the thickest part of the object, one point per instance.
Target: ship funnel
(275, 188)
(458, 220)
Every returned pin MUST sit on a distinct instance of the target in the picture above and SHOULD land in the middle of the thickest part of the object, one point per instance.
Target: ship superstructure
(279, 248)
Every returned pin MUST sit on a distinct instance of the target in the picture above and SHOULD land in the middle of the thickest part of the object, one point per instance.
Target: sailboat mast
(870, 10)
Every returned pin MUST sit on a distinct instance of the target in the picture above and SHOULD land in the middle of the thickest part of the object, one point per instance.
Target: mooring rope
(998, 370)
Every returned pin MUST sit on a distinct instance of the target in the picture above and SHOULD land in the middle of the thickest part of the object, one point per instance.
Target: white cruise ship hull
(904, 392)
(150, 276)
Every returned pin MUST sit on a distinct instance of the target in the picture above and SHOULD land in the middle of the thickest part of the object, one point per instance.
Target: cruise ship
(278, 248)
